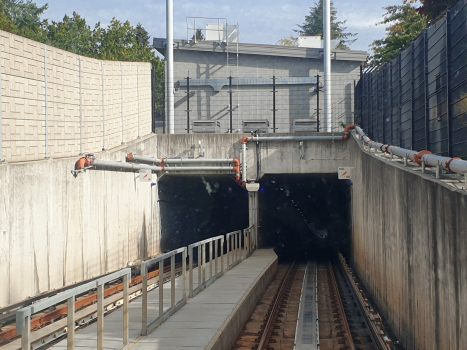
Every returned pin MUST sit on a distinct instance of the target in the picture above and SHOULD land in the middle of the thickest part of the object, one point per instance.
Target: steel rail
(275, 308)
(379, 336)
(348, 337)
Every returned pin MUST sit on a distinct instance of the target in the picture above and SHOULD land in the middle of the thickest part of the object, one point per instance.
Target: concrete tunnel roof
(262, 49)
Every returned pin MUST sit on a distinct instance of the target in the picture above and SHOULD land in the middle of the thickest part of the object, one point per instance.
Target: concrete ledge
(227, 335)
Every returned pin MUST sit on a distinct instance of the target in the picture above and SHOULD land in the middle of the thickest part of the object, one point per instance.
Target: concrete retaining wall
(410, 249)
(82, 95)
(56, 230)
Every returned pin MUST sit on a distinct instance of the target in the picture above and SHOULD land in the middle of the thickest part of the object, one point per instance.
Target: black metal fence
(419, 99)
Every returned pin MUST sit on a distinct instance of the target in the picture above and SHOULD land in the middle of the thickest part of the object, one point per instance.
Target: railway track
(272, 324)
(335, 314)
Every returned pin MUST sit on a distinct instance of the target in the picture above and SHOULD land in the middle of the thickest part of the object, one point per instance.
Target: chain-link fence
(419, 99)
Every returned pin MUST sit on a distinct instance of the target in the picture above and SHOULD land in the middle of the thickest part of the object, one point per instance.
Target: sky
(260, 21)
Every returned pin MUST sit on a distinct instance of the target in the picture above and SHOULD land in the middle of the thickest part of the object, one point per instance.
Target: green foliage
(159, 88)
(290, 41)
(24, 18)
(122, 42)
(6, 22)
(74, 35)
(199, 36)
(404, 24)
(314, 26)
(433, 8)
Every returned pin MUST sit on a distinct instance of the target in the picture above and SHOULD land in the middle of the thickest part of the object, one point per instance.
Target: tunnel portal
(299, 214)
(304, 214)
(195, 207)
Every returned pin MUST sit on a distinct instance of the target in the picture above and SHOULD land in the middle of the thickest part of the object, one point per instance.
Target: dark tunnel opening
(194, 207)
(304, 215)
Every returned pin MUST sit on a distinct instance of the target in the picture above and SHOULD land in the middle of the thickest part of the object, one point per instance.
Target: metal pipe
(231, 107)
(187, 105)
(454, 165)
(1, 119)
(327, 65)
(122, 103)
(91, 162)
(46, 105)
(244, 162)
(137, 91)
(274, 104)
(151, 160)
(201, 168)
(170, 69)
(80, 110)
(317, 103)
(121, 165)
(294, 138)
(103, 106)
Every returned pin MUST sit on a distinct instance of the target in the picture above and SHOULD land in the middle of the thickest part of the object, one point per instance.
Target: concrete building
(209, 64)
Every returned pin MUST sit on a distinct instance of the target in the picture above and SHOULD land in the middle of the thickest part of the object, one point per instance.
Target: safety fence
(209, 252)
(24, 315)
(419, 99)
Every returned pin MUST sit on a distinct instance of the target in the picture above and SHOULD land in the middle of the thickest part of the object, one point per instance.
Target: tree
(199, 36)
(121, 42)
(159, 88)
(434, 8)
(74, 35)
(142, 36)
(6, 22)
(404, 24)
(290, 41)
(24, 18)
(314, 26)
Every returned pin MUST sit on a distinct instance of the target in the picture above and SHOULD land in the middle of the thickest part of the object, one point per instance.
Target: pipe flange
(449, 162)
(418, 157)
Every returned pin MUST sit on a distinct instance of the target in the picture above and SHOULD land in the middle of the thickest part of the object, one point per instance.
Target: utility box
(305, 125)
(259, 125)
(205, 126)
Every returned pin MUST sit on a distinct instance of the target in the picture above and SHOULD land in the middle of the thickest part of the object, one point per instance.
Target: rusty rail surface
(275, 309)
(348, 334)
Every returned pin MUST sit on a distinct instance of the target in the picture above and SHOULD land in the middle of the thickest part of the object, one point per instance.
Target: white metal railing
(218, 244)
(174, 306)
(250, 239)
(233, 240)
(238, 245)
(23, 316)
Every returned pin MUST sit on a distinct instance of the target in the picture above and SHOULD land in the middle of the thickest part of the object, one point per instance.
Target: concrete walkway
(194, 325)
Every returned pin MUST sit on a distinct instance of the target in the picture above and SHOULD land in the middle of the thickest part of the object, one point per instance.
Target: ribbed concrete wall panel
(75, 101)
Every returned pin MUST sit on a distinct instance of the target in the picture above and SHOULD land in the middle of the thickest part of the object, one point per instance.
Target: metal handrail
(216, 248)
(201, 245)
(233, 249)
(250, 239)
(23, 316)
(174, 306)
